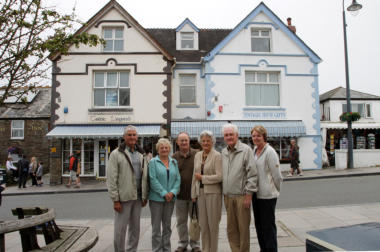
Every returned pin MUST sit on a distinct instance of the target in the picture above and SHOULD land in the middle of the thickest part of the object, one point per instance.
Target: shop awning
(100, 131)
(355, 125)
(274, 128)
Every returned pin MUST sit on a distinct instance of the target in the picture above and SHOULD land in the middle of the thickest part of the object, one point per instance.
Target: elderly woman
(206, 188)
(294, 159)
(269, 183)
(32, 170)
(164, 186)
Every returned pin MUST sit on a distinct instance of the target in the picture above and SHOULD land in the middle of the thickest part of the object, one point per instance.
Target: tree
(30, 32)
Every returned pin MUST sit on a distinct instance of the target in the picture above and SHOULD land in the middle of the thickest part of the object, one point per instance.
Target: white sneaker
(289, 175)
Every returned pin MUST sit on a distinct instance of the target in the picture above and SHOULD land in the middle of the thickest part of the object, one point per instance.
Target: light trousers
(161, 215)
(210, 212)
(238, 221)
(183, 212)
(128, 217)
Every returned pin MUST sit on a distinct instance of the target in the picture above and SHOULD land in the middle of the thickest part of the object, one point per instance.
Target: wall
(362, 158)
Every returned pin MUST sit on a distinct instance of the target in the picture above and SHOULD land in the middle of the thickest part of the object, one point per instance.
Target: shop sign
(265, 115)
(104, 117)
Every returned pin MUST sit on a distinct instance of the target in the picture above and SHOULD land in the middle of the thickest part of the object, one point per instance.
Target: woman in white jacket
(269, 184)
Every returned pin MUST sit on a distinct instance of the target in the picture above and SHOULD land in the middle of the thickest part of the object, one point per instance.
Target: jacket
(212, 174)
(239, 170)
(159, 184)
(121, 181)
(269, 173)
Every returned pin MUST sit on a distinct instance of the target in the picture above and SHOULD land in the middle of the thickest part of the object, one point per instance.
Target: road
(294, 194)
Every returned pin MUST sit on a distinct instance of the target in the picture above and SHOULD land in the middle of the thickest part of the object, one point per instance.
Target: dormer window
(260, 40)
(187, 40)
(114, 37)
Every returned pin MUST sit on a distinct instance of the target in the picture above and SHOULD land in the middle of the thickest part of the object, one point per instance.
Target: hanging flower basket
(352, 116)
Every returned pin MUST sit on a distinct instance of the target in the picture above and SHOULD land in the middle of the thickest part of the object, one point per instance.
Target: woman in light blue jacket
(164, 186)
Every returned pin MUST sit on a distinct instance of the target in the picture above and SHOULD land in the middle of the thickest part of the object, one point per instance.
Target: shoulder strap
(126, 156)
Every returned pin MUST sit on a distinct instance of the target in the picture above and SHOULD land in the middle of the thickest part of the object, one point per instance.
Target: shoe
(180, 249)
(68, 186)
(301, 174)
(196, 249)
(77, 186)
(289, 175)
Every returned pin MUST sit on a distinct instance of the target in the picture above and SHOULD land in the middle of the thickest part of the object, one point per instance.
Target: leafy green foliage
(352, 116)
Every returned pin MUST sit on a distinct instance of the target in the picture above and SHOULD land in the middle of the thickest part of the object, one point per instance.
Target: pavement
(292, 224)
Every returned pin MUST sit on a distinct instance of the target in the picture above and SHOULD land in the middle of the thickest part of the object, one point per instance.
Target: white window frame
(259, 83)
(365, 109)
(21, 129)
(261, 30)
(183, 38)
(117, 87)
(113, 38)
(182, 85)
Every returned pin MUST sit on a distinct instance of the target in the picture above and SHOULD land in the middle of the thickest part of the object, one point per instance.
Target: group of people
(25, 169)
(240, 176)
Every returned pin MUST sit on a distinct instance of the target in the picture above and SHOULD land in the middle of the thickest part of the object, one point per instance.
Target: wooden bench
(34, 221)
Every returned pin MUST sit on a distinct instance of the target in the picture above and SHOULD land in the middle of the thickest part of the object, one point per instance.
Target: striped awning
(100, 131)
(274, 128)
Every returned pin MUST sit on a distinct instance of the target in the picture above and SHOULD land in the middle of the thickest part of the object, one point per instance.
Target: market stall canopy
(274, 128)
(100, 131)
(355, 125)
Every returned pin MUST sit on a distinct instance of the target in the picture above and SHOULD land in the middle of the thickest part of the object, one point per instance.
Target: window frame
(183, 39)
(260, 83)
(260, 30)
(186, 85)
(365, 109)
(113, 39)
(117, 87)
(18, 129)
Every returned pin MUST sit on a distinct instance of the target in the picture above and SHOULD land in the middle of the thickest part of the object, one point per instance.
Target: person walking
(269, 181)
(183, 204)
(294, 159)
(165, 183)
(127, 177)
(23, 166)
(206, 189)
(239, 183)
(74, 168)
(32, 170)
(40, 173)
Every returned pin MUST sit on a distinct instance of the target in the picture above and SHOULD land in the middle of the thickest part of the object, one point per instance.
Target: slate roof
(39, 107)
(208, 39)
(339, 93)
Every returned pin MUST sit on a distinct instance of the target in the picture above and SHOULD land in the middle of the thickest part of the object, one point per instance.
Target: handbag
(194, 228)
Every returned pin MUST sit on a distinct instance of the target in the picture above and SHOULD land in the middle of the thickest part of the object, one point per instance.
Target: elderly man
(185, 158)
(239, 183)
(127, 186)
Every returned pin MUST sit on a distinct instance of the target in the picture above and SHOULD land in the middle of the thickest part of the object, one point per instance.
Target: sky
(319, 24)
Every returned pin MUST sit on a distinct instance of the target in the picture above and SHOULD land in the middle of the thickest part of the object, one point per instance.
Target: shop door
(112, 144)
(102, 158)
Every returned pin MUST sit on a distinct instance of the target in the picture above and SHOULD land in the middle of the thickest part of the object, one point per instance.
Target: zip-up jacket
(239, 170)
(121, 181)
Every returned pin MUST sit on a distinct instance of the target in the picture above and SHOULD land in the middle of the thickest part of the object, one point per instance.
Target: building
(23, 127)
(366, 131)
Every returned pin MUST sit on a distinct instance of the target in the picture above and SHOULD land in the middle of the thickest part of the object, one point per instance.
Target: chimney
(290, 26)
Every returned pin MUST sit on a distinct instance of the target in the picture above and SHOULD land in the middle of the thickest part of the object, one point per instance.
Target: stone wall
(56, 162)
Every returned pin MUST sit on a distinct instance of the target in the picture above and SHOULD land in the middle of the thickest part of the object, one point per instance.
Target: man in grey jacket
(127, 187)
(239, 183)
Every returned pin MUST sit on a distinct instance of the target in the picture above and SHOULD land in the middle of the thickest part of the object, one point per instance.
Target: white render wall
(362, 158)
(337, 105)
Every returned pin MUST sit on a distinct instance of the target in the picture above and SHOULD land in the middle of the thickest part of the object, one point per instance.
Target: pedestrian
(206, 189)
(32, 170)
(39, 173)
(12, 169)
(269, 181)
(165, 183)
(183, 204)
(239, 183)
(127, 175)
(23, 166)
(294, 159)
(74, 168)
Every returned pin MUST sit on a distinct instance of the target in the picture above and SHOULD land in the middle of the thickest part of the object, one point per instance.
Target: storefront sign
(106, 117)
(265, 115)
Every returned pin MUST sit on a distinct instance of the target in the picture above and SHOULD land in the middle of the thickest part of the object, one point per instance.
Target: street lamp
(350, 156)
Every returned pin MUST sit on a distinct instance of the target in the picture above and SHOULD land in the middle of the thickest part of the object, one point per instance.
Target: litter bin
(3, 175)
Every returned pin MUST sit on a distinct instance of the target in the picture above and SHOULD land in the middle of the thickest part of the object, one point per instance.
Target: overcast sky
(319, 24)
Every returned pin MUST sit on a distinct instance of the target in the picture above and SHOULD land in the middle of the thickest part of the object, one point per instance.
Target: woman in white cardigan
(206, 189)
(269, 183)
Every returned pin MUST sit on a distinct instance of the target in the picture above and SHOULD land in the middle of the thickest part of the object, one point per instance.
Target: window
(363, 109)
(187, 40)
(111, 89)
(88, 155)
(260, 40)
(17, 129)
(187, 88)
(262, 89)
(114, 39)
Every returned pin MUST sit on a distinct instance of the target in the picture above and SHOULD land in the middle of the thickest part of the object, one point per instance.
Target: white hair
(230, 126)
(128, 128)
(163, 141)
(208, 134)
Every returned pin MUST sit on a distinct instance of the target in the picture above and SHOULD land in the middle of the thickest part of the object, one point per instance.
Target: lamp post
(350, 157)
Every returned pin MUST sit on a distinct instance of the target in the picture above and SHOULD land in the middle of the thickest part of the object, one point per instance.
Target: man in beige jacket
(239, 183)
(127, 186)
